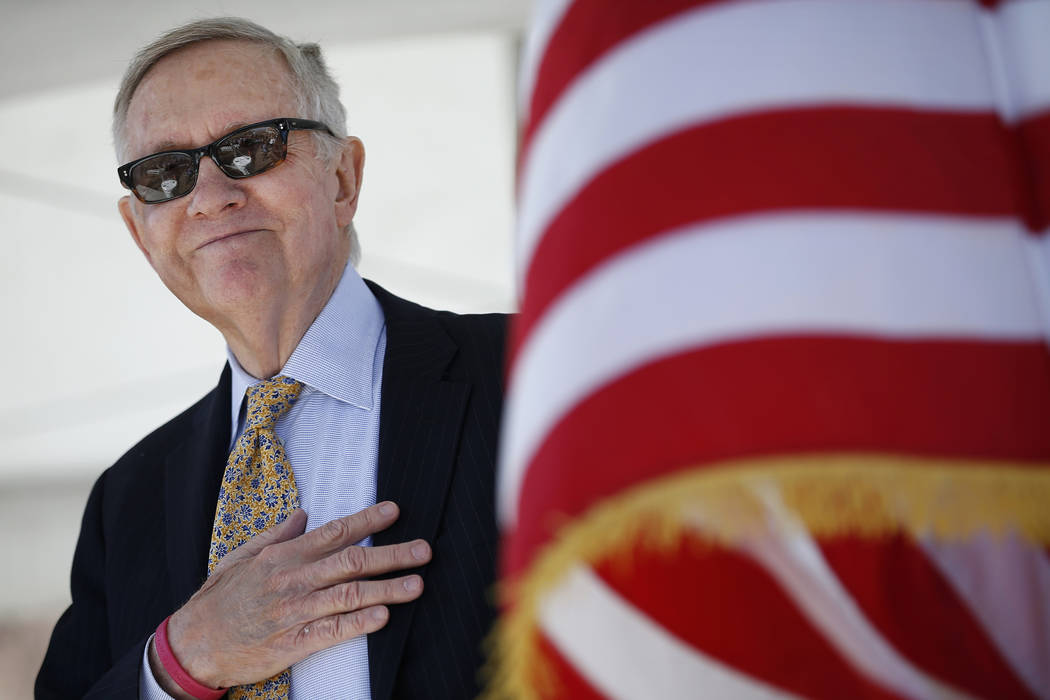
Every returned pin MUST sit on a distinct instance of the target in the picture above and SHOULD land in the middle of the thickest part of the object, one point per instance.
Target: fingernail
(419, 550)
(378, 614)
(386, 508)
(412, 583)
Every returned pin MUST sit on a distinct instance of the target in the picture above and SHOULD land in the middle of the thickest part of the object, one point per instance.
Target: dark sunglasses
(248, 151)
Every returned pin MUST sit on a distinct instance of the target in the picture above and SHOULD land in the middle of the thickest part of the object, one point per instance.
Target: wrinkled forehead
(198, 93)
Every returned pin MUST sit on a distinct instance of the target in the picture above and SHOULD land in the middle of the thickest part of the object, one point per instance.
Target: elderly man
(321, 524)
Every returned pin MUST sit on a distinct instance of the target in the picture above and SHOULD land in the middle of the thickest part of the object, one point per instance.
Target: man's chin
(236, 300)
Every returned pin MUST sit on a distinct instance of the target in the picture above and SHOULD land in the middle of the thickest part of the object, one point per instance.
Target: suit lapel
(421, 414)
(192, 473)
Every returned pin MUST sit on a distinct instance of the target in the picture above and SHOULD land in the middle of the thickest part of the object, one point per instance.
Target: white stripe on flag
(1018, 38)
(546, 16)
(789, 555)
(748, 56)
(1005, 582)
(894, 276)
(624, 654)
(1039, 269)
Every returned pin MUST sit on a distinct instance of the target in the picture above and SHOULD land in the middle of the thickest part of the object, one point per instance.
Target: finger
(342, 532)
(289, 529)
(358, 595)
(331, 630)
(364, 562)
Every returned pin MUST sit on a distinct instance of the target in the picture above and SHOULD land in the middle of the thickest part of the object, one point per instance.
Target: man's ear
(349, 172)
(127, 212)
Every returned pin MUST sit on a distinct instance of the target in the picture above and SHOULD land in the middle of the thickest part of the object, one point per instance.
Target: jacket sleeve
(79, 662)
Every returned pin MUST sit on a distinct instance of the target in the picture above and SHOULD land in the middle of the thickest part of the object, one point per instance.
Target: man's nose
(214, 192)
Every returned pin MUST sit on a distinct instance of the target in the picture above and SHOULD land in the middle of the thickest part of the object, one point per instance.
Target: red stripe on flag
(784, 396)
(919, 613)
(587, 30)
(1033, 138)
(731, 609)
(873, 159)
(568, 683)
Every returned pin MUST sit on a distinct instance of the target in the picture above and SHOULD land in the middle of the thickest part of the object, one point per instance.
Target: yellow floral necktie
(258, 491)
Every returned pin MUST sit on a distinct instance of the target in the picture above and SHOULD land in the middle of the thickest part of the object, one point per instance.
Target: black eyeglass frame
(284, 125)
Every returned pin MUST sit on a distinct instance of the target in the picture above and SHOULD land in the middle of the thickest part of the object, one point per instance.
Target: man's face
(234, 249)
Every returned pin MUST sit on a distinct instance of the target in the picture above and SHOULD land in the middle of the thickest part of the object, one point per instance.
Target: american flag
(778, 414)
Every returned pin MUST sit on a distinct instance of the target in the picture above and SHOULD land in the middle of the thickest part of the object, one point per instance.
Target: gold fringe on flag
(830, 495)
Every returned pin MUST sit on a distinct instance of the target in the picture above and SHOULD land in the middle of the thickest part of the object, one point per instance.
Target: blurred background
(96, 351)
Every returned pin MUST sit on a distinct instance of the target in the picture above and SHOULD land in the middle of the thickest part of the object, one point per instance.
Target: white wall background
(96, 351)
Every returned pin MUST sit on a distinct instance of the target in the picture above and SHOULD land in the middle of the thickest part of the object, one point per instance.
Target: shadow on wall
(39, 522)
(22, 646)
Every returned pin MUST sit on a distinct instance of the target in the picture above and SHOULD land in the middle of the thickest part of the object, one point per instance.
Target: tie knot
(269, 400)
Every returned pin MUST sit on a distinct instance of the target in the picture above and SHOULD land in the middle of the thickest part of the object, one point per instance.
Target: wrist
(188, 638)
(190, 685)
(160, 676)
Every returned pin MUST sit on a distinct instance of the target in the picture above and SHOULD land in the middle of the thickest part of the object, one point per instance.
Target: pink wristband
(177, 672)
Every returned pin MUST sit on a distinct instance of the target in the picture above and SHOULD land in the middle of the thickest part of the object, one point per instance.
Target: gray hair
(317, 93)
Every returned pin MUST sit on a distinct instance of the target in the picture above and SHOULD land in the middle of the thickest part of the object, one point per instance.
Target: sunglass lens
(163, 177)
(251, 151)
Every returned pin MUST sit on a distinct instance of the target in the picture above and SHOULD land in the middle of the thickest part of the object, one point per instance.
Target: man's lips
(226, 236)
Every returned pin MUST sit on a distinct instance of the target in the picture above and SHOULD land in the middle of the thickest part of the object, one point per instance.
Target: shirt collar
(336, 354)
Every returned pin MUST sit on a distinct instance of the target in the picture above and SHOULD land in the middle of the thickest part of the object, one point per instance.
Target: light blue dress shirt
(331, 437)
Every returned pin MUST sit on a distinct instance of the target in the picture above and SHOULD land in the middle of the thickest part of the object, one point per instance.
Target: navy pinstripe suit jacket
(144, 538)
